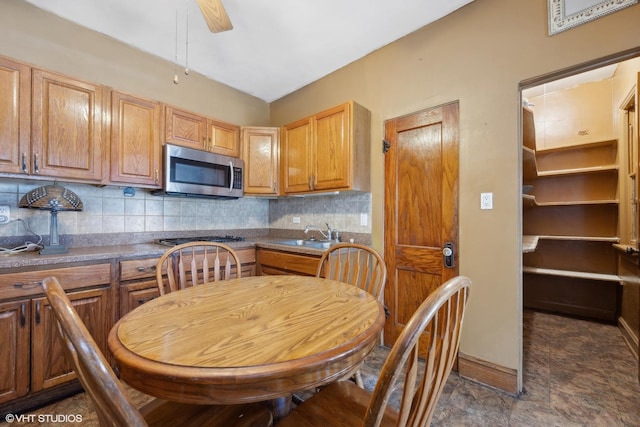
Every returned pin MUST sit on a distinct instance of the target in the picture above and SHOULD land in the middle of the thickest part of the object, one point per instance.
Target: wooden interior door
(421, 209)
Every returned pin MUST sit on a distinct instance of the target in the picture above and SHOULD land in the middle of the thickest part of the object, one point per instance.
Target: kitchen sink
(306, 243)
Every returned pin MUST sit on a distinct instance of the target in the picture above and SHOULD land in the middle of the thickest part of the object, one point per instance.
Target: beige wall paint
(44, 40)
(477, 55)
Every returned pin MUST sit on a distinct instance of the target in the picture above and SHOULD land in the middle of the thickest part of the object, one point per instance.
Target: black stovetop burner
(181, 240)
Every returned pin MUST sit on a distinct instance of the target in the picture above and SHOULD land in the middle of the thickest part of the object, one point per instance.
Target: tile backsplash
(108, 210)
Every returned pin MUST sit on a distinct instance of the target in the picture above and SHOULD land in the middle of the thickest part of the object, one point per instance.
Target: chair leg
(358, 378)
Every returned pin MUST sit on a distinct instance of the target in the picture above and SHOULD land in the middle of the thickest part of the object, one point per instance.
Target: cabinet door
(133, 295)
(185, 129)
(331, 142)
(66, 128)
(49, 365)
(260, 152)
(135, 140)
(224, 138)
(15, 116)
(14, 350)
(296, 157)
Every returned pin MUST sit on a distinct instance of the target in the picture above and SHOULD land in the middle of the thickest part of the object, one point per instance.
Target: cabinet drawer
(138, 268)
(17, 285)
(277, 262)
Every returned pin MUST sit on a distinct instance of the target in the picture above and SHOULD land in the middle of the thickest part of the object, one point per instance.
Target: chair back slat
(435, 325)
(205, 266)
(189, 264)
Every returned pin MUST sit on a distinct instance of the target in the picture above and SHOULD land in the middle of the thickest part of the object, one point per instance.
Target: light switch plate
(295, 220)
(364, 219)
(5, 214)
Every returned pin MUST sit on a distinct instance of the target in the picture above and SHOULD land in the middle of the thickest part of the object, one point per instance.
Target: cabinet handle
(38, 312)
(36, 167)
(142, 269)
(23, 314)
(143, 300)
(156, 179)
(24, 162)
(28, 285)
(204, 143)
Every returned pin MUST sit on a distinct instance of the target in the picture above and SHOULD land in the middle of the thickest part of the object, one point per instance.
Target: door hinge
(386, 145)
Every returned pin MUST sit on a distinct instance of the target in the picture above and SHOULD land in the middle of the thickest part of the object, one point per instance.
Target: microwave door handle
(231, 181)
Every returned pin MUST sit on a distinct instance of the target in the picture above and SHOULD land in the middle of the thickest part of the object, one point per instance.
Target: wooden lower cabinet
(15, 349)
(32, 359)
(270, 261)
(49, 365)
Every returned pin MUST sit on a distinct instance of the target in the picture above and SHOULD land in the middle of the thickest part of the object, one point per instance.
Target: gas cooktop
(181, 240)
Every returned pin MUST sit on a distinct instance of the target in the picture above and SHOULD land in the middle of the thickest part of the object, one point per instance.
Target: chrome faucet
(327, 236)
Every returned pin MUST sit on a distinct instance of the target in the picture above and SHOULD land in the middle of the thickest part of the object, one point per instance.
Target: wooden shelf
(572, 274)
(577, 171)
(577, 203)
(583, 238)
(530, 200)
(529, 243)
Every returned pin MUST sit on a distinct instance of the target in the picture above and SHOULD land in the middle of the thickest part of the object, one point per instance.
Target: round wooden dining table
(245, 340)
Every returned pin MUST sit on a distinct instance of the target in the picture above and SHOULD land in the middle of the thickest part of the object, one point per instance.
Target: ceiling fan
(215, 15)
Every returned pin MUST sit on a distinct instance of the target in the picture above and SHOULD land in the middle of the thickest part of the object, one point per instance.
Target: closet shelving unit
(570, 223)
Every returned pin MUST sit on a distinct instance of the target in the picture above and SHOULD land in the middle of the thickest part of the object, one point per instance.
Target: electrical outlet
(5, 214)
(295, 220)
(486, 200)
(364, 219)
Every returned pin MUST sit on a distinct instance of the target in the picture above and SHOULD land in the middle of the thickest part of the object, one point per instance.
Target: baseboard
(629, 337)
(484, 372)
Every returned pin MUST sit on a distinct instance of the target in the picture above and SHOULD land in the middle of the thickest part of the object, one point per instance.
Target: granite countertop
(133, 251)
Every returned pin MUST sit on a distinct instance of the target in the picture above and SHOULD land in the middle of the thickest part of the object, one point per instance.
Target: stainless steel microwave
(196, 173)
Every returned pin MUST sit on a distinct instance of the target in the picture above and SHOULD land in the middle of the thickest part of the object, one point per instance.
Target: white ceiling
(275, 47)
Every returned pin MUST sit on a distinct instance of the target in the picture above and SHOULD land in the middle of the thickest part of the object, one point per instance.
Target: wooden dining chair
(433, 332)
(358, 265)
(109, 398)
(195, 263)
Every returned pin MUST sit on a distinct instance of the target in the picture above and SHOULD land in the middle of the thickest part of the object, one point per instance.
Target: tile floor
(576, 373)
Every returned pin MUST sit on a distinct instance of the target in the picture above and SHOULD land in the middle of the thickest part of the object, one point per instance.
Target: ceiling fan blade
(215, 15)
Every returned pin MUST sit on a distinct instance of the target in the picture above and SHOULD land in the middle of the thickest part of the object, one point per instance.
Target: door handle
(449, 255)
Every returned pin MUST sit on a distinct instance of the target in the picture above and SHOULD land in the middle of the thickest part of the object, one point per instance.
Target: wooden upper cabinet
(185, 128)
(135, 140)
(260, 152)
(296, 156)
(66, 128)
(328, 151)
(194, 131)
(15, 116)
(224, 138)
(332, 149)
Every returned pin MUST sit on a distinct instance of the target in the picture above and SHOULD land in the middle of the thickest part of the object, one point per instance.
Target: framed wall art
(566, 14)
